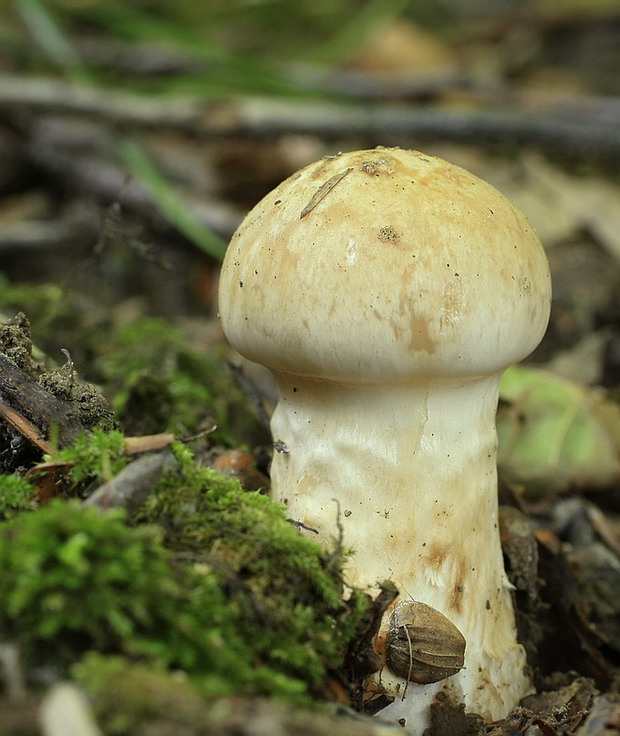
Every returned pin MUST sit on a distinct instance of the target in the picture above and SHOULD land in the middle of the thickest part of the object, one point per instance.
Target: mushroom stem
(427, 517)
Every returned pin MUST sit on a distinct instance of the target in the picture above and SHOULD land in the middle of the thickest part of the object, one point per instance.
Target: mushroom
(387, 291)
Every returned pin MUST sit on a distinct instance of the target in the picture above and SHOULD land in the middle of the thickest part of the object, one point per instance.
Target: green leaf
(555, 434)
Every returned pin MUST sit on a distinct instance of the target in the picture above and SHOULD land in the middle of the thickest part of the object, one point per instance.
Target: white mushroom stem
(386, 291)
(433, 531)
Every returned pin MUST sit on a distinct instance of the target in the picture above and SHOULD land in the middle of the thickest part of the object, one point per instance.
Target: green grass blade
(352, 36)
(50, 38)
(169, 201)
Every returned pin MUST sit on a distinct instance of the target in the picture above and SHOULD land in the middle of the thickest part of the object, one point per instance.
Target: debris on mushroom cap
(387, 263)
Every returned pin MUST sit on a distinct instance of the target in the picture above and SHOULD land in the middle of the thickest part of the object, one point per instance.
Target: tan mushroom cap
(384, 265)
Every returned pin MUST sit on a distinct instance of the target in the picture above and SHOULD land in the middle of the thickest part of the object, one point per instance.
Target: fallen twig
(585, 125)
(20, 395)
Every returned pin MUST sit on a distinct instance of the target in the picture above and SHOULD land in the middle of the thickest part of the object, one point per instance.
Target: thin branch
(560, 129)
(25, 427)
(117, 107)
(586, 126)
(32, 410)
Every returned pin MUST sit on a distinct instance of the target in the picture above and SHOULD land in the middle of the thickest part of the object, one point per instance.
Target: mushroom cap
(384, 265)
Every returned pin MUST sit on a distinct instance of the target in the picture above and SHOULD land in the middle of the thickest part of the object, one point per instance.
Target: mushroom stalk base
(408, 472)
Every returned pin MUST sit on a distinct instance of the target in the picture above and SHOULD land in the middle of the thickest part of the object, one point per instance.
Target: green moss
(160, 383)
(207, 579)
(16, 494)
(152, 377)
(72, 578)
(98, 455)
(44, 299)
(287, 589)
(126, 693)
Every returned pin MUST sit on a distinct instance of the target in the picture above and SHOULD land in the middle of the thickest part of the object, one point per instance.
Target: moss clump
(125, 694)
(73, 580)
(16, 494)
(286, 589)
(130, 698)
(146, 368)
(160, 383)
(97, 455)
(207, 579)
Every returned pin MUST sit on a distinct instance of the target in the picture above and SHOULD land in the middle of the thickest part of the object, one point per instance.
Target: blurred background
(135, 135)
